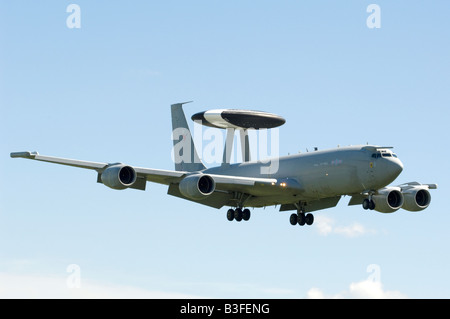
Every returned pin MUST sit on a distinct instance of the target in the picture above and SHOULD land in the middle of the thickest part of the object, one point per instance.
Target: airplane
(304, 182)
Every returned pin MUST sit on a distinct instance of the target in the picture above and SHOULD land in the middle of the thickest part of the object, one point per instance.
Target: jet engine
(416, 199)
(119, 176)
(388, 200)
(197, 186)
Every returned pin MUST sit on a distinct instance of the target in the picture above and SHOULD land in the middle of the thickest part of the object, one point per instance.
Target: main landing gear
(301, 218)
(238, 214)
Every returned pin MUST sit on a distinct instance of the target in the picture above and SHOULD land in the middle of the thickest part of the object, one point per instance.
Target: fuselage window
(386, 154)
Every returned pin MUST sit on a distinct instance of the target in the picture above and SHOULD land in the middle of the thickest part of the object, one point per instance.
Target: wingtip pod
(26, 154)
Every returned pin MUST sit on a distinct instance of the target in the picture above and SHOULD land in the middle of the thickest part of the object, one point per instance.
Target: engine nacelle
(388, 200)
(416, 199)
(197, 186)
(119, 176)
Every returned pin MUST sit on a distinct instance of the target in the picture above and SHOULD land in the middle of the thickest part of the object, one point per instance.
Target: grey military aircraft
(304, 182)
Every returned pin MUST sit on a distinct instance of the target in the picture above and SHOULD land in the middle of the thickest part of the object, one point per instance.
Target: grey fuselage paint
(320, 174)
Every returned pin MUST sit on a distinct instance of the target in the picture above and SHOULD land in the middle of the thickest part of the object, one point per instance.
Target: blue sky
(103, 93)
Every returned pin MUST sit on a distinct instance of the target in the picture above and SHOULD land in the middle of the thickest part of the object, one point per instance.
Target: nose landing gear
(368, 204)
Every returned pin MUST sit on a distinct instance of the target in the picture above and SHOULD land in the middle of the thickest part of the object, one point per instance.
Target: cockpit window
(383, 154)
(376, 155)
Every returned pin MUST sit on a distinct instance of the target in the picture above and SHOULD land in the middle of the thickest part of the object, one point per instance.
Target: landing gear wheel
(293, 219)
(246, 214)
(230, 214)
(366, 204)
(309, 219)
(301, 219)
(238, 214)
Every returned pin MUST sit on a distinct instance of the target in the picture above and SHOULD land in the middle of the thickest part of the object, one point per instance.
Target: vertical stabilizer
(184, 153)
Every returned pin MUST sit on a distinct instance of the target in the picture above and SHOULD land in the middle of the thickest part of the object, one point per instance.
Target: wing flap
(257, 186)
(224, 180)
(160, 176)
(248, 185)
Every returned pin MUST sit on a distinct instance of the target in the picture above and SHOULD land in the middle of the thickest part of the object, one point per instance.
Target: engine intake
(119, 176)
(416, 199)
(388, 200)
(197, 186)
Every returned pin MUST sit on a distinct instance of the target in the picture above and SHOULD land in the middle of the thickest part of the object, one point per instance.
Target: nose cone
(388, 169)
(395, 167)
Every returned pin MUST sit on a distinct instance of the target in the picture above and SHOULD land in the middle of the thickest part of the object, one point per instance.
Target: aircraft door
(372, 167)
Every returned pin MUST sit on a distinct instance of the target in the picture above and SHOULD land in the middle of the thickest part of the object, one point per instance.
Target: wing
(249, 185)
(407, 186)
(143, 174)
(225, 184)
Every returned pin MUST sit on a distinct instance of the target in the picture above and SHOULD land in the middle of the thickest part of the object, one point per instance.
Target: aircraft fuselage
(318, 174)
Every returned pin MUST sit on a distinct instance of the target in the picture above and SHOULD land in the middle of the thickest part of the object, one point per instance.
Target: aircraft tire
(238, 214)
(371, 205)
(301, 219)
(309, 219)
(230, 214)
(293, 219)
(246, 214)
(366, 204)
